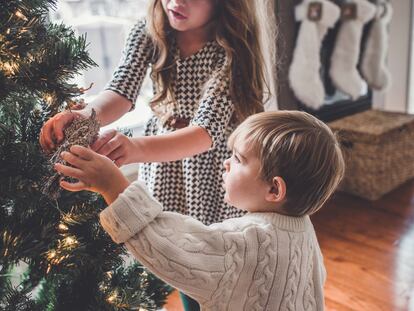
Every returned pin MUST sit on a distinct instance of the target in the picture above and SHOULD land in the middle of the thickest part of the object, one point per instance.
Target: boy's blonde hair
(299, 148)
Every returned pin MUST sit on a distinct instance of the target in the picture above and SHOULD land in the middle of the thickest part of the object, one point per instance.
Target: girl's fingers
(53, 130)
(73, 159)
(46, 137)
(68, 171)
(42, 142)
(109, 147)
(102, 140)
(59, 122)
(83, 152)
(120, 161)
(115, 154)
(78, 186)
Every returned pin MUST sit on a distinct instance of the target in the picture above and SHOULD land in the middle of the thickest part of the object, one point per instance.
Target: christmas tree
(65, 260)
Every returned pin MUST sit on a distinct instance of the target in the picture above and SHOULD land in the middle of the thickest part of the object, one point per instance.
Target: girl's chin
(178, 26)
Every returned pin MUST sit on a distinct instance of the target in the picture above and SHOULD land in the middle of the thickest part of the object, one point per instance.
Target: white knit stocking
(304, 75)
(343, 71)
(373, 65)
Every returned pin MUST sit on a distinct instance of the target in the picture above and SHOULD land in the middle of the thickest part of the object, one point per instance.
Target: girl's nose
(178, 2)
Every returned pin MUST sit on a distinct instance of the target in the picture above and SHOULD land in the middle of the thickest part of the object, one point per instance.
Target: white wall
(397, 96)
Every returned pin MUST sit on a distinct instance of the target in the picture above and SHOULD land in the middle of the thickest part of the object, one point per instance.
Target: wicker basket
(378, 148)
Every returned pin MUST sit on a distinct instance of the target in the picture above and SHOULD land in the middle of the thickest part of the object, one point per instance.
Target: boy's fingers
(83, 152)
(68, 171)
(78, 186)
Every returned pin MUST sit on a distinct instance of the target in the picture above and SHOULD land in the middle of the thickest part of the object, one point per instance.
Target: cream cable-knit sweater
(261, 261)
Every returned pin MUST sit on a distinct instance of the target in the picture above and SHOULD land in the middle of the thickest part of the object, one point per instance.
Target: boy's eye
(236, 158)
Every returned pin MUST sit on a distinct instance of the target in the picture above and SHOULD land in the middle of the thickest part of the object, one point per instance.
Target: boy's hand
(95, 173)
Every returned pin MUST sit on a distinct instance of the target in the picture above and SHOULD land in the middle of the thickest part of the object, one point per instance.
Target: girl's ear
(277, 190)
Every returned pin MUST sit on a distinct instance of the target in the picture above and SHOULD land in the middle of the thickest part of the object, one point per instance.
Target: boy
(284, 167)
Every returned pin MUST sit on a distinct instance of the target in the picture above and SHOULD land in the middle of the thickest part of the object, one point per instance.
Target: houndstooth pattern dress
(192, 186)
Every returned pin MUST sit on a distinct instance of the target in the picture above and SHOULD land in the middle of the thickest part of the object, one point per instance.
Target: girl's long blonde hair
(244, 28)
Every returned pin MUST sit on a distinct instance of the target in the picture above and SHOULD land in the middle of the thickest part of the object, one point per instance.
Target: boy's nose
(226, 164)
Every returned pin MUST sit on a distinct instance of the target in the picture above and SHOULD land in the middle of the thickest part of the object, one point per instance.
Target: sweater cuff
(129, 213)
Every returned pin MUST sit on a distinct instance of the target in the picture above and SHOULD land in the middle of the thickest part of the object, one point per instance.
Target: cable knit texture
(261, 261)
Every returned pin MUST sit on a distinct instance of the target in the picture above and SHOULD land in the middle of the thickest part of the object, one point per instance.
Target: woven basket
(378, 148)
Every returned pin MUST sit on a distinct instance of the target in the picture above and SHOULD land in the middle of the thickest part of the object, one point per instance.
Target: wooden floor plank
(368, 250)
(341, 298)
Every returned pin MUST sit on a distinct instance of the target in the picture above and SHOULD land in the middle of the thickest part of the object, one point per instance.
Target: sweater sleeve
(190, 256)
(136, 57)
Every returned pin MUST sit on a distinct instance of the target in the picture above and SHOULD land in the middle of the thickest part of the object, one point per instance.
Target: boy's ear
(277, 190)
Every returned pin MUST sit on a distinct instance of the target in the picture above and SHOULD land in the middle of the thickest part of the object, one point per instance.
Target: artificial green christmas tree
(69, 262)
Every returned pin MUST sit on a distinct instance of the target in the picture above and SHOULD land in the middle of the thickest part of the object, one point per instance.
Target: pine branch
(123, 282)
(16, 298)
(26, 7)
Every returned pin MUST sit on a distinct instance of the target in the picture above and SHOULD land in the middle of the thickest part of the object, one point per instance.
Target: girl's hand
(95, 173)
(52, 131)
(116, 146)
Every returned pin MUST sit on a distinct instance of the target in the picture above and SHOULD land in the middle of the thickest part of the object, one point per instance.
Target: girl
(209, 75)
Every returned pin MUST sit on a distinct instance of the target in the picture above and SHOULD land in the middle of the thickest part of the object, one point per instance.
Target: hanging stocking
(344, 61)
(316, 18)
(373, 65)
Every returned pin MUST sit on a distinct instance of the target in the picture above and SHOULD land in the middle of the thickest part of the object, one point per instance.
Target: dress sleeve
(136, 57)
(197, 259)
(215, 108)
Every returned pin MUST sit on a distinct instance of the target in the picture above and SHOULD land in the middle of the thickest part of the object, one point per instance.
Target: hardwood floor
(368, 250)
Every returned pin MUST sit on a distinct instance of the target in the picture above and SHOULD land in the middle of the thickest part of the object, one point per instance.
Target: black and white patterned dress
(192, 186)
